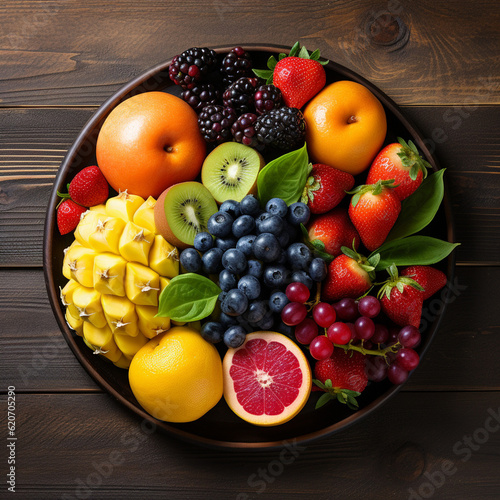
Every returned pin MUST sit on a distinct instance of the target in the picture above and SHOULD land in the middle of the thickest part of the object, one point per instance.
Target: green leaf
(323, 400)
(263, 73)
(418, 210)
(314, 55)
(294, 50)
(188, 297)
(318, 245)
(284, 177)
(413, 250)
(304, 54)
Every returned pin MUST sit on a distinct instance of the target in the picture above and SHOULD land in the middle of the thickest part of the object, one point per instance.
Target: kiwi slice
(230, 171)
(182, 211)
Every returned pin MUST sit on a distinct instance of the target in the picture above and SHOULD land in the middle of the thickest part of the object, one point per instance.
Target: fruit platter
(243, 246)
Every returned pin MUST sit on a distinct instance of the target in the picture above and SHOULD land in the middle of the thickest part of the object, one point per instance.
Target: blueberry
(298, 213)
(234, 260)
(235, 303)
(256, 311)
(245, 243)
(250, 286)
(277, 301)
(293, 231)
(276, 206)
(318, 269)
(222, 296)
(227, 280)
(203, 241)
(190, 260)
(212, 331)
(225, 243)
(274, 225)
(259, 219)
(219, 224)
(243, 225)
(266, 247)
(234, 336)
(285, 329)
(267, 322)
(302, 277)
(255, 268)
(284, 238)
(276, 275)
(299, 256)
(227, 320)
(249, 205)
(212, 261)
(232, 207)
(282, 259)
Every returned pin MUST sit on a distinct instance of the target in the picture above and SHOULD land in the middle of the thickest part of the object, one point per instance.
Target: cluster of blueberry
(256, 254)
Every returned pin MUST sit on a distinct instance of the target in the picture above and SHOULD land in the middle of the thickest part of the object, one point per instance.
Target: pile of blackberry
(256, 254)
(246, 110)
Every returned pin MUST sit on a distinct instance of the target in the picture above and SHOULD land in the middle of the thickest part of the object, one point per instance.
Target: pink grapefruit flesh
(267, 380)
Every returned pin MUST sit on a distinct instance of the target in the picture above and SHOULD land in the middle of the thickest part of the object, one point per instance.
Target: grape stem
(317, 298)
(373, 352)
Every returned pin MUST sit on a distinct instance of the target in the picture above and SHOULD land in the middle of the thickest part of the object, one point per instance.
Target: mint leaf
(188, 297)
(284, 177)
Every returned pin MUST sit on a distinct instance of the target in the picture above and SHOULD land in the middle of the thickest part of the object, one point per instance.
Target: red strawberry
(430, 278)
(401, 162)
(401, 299)
(325, 188)
(88, 188)
(334, 230)
(68, 216)
(373, 210)
(349, 276)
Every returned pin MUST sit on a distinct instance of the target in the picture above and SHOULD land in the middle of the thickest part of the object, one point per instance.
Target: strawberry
(401, 299)
(299, 76)
(430, 278)
(399, 161)
(333, 230)
(325, 187)
(68, 216)
(350, 275)
(88, 188)
(373, 210)
(342, 376)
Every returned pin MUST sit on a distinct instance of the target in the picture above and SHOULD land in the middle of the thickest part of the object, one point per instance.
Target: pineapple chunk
(100, 209)
(123, 362)
(88, 303)
(142, 285)
(106, 236)
(164, 258)
(163, 283)
(130, 345)
(151, 325)
(86, 226)
(145, 215)
(123, 205)
(78, 264)
(74, 323)
(109, 274)
(120, 315)
(101, 341)
(66, 296)
(135, 243)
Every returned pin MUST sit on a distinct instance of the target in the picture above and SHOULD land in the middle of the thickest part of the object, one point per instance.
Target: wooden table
(438, 437)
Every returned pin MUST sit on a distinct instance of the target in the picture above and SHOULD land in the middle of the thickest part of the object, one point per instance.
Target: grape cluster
(351, 323)
(254, 255)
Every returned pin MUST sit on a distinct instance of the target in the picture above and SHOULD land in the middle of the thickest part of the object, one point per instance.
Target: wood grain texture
(53, 52)
(377, 458)
(35, 358)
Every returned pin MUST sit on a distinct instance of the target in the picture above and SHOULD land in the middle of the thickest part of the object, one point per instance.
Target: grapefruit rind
(231, 397)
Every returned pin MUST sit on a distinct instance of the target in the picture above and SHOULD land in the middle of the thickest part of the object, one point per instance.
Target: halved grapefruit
(267, 380)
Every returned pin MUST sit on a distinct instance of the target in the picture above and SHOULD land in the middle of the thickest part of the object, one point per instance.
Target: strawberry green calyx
(295, 51)
(411, 159)
(367, 264)
(396, 281)
(344, 396)
(312, 185)
(375, 189)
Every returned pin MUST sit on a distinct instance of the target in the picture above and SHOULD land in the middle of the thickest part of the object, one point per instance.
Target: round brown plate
(220, 427)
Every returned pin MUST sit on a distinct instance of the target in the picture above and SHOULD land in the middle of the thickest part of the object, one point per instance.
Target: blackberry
(283, 128)
(266, 98)
(191, 66)
(235, 65)
(215, 123)
(239, 95)
(201, 95)
(243, 130)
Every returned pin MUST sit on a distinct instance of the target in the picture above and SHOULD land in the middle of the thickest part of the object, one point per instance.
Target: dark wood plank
(416, 52)
(65, 444)
(35, 358)
(33, 143)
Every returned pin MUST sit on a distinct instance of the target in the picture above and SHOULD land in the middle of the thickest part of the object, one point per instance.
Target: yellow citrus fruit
(177, 376)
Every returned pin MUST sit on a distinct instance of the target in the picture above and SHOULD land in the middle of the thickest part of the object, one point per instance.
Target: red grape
(339, 333)
(409, 336)
(321, 348)
(381, 334)
(365, 328)
(376, 368)
(407, 359)
(324, 314)
(297, 292)
(306, 331)
(396, 374)
(346, 309)
(293, 313)
(369, 306)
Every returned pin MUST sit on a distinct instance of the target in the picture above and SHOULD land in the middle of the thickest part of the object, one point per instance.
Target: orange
(346, 126)
(150, 142)
(177, 376)
(267, 380)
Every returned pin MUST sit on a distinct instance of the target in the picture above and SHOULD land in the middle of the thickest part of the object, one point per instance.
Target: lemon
(177, 376)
